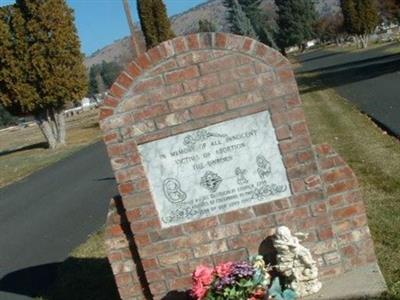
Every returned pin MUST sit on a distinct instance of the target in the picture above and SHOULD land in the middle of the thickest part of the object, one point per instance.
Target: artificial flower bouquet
(238, 281)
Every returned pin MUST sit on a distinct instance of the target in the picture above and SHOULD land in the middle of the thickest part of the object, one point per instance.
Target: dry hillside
(187, 22)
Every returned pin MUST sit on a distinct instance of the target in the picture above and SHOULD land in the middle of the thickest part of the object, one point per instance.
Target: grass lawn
(23, 150)
(395, 49)
(375, 158)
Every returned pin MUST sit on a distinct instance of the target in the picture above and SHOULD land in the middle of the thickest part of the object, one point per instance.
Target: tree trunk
(356, 40)
(60, 121)
(364, 41)
(339, 40)
(52, 124)
(45, 127)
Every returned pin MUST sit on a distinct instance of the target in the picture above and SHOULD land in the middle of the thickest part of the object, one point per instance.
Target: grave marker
(211, 151)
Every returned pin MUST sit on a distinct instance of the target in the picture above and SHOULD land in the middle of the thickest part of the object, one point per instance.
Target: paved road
(45, 216)
(370, 79)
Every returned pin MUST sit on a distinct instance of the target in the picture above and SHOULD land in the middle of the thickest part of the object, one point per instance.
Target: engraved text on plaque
(220, 168)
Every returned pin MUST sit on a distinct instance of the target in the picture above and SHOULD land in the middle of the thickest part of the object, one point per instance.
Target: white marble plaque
(220, 168)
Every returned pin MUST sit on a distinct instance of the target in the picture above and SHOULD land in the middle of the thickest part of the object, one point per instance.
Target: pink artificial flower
(199, 291)
(224, 269)
(202, 278)
(204, 274)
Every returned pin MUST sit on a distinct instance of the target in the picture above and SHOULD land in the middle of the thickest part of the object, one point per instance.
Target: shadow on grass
(94, 125)
(42, 145)
(335, 76)
(352, 64)
(75, 278)
(311, 56)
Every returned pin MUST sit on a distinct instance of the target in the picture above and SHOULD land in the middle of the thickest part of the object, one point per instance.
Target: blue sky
(100, 22)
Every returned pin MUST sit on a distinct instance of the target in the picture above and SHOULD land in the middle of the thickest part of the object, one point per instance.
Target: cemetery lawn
(375, 158)
(23, 150)
(373, 155)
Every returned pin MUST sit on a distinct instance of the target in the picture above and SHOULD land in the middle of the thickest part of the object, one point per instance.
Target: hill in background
(187, 22)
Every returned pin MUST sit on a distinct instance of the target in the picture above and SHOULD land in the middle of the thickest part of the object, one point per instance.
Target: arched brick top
(194, 81)
(155, 59)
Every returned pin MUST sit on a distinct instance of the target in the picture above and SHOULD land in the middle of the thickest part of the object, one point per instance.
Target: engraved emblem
(241, 179)
(268, 190)
(172, 191)
(264, 166)
(211, 181)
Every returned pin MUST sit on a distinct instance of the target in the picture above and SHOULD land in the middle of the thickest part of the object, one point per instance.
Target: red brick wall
(192, 82)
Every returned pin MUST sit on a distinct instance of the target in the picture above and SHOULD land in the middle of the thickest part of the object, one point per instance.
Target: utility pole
(131, 24)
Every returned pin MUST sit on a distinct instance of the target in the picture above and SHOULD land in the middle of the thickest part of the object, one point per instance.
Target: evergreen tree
(163, 24)
(266, 36)
(368, 16)
(259, 21)
(146, 16)
(361, 17)
(250, 7)
(15, 65)
(255, 16)
(296, 21)
(349, 15)
(102, 76)
(206, 26)
(109, 72)
(41, 63)
(93, 86)
(6, 119)
(154, 21)
(239, 22)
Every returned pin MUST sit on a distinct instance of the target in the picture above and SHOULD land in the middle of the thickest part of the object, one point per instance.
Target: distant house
(311, 43)
(85, 105)
(85, 102)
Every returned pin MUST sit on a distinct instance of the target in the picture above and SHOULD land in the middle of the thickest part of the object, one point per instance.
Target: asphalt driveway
(370, 79)
(46, 215)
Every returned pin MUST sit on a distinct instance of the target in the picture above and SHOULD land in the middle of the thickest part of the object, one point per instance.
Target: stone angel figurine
(295, 262)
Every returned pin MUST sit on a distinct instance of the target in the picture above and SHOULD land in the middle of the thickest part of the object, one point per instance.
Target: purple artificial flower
(243, 270)
(225, 281)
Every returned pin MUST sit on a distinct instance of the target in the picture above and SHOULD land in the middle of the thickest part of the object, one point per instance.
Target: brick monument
(211, 151)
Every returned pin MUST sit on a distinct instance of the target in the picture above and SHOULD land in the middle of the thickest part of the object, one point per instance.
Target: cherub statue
(295, 262)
